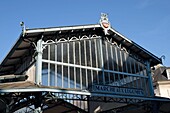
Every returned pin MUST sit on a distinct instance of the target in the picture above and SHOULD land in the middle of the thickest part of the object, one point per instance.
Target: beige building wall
(163, 89)
(31, 73)
(161, 81)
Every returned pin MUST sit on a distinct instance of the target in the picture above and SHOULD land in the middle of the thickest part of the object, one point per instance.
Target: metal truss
(31, 101)
(65, 96)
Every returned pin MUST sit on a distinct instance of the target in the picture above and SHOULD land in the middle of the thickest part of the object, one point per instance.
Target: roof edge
(62, 28)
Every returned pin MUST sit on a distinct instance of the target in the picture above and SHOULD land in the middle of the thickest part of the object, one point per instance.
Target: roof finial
(23, 27)
(104, 22)
(163, 58)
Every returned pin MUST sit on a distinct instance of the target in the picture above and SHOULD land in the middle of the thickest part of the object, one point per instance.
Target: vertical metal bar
(121, 61)
(144, 79)
(74, 60)
(62, 78)
(85, 55)
(134, 63)
(96, 55)
(150, 78)
(39, 49)
(143, 69)
(102, 63)
(117, 62)
(81, 85)
(125, 58)
(122, 55)
(130, 63)
(91, 60)
(111, 49)
(138, 63)
(114, 68)
(141, 82)
(49, 65)
(68, 47)
(145, 85)
(106, 47)
(56, 64)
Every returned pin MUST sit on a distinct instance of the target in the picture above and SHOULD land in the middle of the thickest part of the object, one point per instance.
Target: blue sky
(146, 22)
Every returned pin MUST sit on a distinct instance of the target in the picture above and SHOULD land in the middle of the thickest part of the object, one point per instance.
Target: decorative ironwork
(104, 22)
(27, 102)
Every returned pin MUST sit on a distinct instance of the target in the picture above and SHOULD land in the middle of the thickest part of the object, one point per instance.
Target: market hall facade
(85, 68)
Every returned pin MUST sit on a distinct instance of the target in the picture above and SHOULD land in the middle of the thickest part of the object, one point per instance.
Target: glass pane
(115, 58)
(52, 52)
(87, 50)
(119, 60)
(59, 76)
(110, 57)
(72, 82)
(77, 53)
(84, 78)
(77, 77)
(129, 65)
(95, 77)
(52, 75)
(93, 52)
(104, 45)
(71, 58)
(65, 74)
(58, 52)
(65, 53)
(82, 53)
(89, 74)
(44, 74)
(99, 53)
(124, 61)
(133, 66)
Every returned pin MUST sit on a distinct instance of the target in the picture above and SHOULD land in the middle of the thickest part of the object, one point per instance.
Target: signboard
(117, 90)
